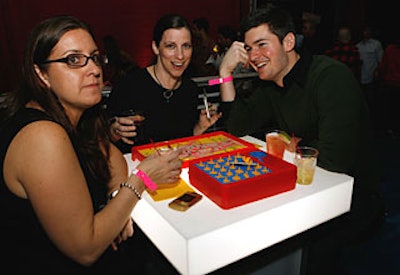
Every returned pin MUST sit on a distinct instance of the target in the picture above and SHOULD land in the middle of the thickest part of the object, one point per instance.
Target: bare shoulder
(40, 149)
(42, 127)
(42, 135)
(40, 132)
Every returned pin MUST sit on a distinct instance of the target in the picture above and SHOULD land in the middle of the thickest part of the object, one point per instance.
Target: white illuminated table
(206, 237)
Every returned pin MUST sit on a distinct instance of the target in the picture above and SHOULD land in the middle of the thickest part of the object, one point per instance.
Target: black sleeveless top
(25, 245)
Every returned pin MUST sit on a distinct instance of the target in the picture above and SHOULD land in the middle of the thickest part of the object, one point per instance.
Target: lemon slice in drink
(285, 137)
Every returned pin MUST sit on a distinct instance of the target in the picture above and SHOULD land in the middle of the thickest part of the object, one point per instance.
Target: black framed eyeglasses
(80, 60)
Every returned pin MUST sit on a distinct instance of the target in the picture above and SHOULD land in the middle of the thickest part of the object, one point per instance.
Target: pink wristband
(145, 178)
(221, 80)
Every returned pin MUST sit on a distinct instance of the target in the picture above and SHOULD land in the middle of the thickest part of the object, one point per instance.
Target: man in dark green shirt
(313, 97)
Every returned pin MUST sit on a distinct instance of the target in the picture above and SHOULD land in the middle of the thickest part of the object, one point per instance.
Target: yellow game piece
(236, 177)
(247, 159)
(239, 171)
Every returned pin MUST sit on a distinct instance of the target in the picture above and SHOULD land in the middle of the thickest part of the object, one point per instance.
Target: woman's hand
(206, 121)
(125, 128)
(126, 233)
(163, 168)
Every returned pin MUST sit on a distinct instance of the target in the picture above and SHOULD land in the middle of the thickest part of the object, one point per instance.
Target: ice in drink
(306, 160)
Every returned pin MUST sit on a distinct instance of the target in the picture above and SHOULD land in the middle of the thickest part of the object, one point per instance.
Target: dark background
(131, 21)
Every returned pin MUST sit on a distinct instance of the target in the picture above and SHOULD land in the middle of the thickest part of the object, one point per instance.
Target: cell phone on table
(185, 201)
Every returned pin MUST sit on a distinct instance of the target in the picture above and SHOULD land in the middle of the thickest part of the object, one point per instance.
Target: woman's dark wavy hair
(168, 21)
(279, 21)
(92, 132)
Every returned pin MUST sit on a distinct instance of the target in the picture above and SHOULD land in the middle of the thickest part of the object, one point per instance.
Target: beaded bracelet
(127, 185)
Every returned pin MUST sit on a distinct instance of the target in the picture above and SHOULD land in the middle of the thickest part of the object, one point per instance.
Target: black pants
(389, 109)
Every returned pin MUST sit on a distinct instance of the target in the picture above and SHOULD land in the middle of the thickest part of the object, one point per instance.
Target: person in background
(310, 38)
(119, 62)
(225, 37)
(166, 95)
(371, 51)
(317, 99)
(59, 168)
(203, 45)
(389, 90)
(345, 51)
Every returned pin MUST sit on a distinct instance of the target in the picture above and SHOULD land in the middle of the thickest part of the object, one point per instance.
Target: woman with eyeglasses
(66, 196)
(163, 92)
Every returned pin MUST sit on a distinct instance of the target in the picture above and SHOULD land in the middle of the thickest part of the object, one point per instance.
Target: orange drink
(275, 145)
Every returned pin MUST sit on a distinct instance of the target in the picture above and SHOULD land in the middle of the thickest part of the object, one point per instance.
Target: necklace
(168, 93)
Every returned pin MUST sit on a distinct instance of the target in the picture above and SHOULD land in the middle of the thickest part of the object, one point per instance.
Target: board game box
(236, 178)
(195, 147)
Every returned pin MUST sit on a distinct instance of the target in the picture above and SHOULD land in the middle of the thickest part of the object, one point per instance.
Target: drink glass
(276, 143)
(305, 159)
(140, 137)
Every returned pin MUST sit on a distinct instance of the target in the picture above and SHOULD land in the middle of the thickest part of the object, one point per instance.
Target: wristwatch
(112, 194)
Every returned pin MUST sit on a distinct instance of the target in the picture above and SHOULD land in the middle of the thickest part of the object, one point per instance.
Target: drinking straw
(206, 104)
(297, 147)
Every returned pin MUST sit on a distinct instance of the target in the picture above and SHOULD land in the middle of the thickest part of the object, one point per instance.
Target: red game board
(196, 147)
(234, 179)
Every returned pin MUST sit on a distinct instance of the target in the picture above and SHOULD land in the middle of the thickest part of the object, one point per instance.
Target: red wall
(129, 21)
